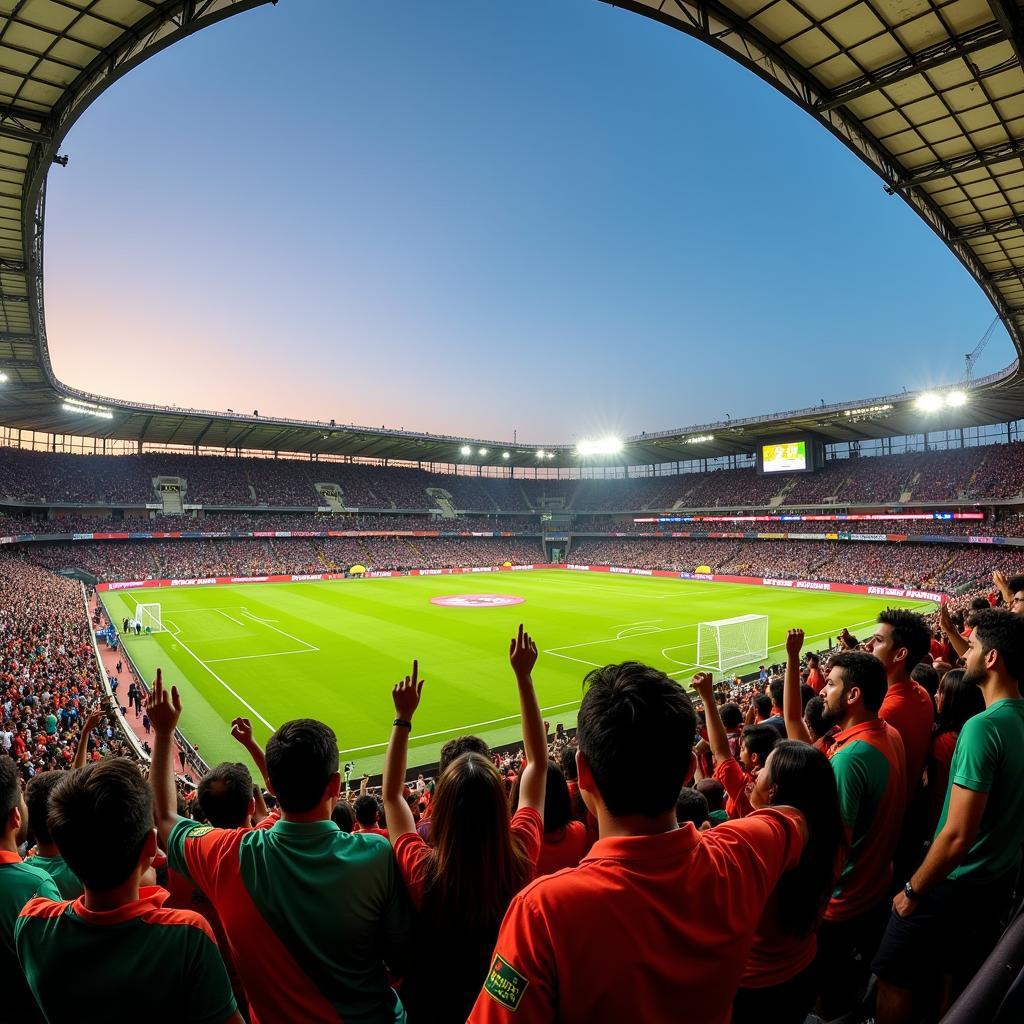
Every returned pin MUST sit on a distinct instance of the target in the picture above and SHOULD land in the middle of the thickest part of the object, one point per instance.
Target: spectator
(948, 914)
(479, 857)
(868, 761)
(815, 680)
(737, 776)
(335, 911)
(566, 840)
(692, 807)
(367, 811)
(48, 857)
(450, 752)
(343, 816)
(20, 882)
(101, 818)
(714, 792)
(645, 904)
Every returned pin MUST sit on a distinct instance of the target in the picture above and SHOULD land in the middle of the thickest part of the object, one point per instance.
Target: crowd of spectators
(991, 472)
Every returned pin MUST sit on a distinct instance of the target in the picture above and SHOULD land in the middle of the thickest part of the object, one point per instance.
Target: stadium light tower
(929, 402)
(483, 451)
(956, 399)
(466, 450)
(3, 378)
(506, 455)
(604, 446)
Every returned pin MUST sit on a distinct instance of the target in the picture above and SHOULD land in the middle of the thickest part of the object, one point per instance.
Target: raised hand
(241, 730)
(999, 579)
(522, 654)
(92, 719)
(794, 643)
(164, 708)
(946, 620)
(406, 694)
(704, 684)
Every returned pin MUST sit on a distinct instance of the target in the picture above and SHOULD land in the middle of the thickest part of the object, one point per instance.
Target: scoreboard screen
(789, 457)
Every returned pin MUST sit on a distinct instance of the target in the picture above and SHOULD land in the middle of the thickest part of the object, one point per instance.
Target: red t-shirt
(370, 831)
(674, 913)
(909, 710)
(816, 681)
(564, 848)
(738, 783)
(940, 757)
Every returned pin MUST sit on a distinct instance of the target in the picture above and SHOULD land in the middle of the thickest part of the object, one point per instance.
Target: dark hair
(636, 722)
(8, 786)
(558, 809)
(776, 687)
(732, 717)
(910, 631)
(812, 659)
(302, 756)
(224, 793)
(763, 705)
(1002, 631)
(760, 739)
(457, 747)
(37, 799)
(864, 671)
(926, 676)
(806, 693)
(1015, 584)
(100, 816)
(569, 764)
(980, 604)
(366, 810)
(804, 779)
(691, 806)
(714, 793)
(814, 713)
(343, 817)
(960, 701)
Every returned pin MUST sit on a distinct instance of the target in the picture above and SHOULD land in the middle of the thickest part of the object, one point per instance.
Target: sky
(554, 219)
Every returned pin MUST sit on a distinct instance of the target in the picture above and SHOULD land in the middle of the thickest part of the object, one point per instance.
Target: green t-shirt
(718, 818)
(19, 882)
(989, 758)
(63, 877)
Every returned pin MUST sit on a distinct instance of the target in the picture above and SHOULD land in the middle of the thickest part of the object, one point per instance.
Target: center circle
(477, 600)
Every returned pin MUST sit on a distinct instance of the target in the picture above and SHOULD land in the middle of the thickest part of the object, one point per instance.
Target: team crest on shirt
(197, 831)
(504, 984)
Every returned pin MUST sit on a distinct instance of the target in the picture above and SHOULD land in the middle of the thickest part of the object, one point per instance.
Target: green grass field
(332, 650)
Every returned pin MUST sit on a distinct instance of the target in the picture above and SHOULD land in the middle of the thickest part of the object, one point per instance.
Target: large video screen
(790, 457)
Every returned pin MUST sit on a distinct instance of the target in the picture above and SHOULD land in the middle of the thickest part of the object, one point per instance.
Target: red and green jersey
(161, 964)
(647, 928)
(324, 907)
(989, 758)
(64, 878)
(868, 762)
(19, 882)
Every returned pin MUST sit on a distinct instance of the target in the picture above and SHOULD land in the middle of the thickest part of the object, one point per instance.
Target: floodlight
(929, 402)
(466, 450)
(3, 378)
(551, 455)
(605, 446)
(483, 451)
(505, 455)
(103, 414)
(956, 398)
(540, 453)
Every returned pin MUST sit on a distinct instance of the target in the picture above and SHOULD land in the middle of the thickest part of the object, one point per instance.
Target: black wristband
(401, 723)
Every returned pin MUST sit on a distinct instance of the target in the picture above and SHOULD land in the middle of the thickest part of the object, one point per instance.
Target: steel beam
(959, 164)
(985, 228)
(1011, 22)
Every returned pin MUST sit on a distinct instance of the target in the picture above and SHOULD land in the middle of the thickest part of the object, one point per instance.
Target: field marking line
(177, 629)
(250, 657)
(613, 639)
(463, 728)
(298, 640)
(639, 622)
(579, 661)
(231, 617)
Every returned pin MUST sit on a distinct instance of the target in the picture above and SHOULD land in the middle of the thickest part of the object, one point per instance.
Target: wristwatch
(402, 724)
(908, 891)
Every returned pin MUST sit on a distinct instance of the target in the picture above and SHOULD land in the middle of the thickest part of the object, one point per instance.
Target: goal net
(149, 617)
(729, 643)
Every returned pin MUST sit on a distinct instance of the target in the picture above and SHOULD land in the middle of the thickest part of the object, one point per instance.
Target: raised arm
(164, 712)
(241, 730)
(956, 641)
(82, 750)
(792, 704)
(406, 696)
(717, 738)
(522, 655)
(1003, 586)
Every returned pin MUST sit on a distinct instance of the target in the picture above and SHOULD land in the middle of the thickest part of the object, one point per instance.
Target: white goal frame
(150, 616)
(724, 644)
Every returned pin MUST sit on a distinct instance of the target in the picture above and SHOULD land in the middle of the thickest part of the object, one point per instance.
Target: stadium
(282, 574)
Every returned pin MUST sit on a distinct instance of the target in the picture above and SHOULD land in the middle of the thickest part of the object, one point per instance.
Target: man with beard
(947, 916)
(869, 764)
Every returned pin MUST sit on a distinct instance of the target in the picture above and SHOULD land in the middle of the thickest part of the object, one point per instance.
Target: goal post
(150, 617)
(724, 644)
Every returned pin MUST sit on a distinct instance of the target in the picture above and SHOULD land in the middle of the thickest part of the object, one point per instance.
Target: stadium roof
(928, 93)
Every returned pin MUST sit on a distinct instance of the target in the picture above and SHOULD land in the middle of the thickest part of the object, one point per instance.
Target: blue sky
(557, 218)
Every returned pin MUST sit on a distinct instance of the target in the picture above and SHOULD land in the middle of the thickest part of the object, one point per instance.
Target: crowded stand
(993, 472)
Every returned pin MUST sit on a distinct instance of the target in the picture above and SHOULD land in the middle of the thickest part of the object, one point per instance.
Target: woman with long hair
(955, 702)
(479, 855)
(566, 841)
(779, 982)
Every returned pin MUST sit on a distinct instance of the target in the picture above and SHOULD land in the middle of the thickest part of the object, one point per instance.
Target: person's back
(117, 940)
(310, 912)
(656, 922)
(909, 710)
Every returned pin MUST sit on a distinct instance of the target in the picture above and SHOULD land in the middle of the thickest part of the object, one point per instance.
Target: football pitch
(332, 650)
